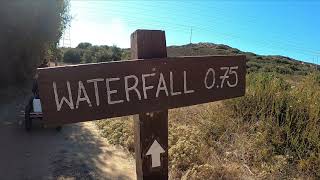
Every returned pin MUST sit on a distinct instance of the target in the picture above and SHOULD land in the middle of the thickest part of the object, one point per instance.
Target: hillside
(88, 53)
(270, 133)
(256, 63)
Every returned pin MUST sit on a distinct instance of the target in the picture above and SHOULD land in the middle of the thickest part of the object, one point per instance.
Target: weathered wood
(147, 87)
(152, 126)
(187, 75)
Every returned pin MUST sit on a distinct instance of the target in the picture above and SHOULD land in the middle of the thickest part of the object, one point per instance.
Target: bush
(184, 147)
(30, 32)
(118, 131)
(266, 96)
(115, 53)
(84, 45)
(104, 55)
(284, 70)
(207, 171)
(86, 53)
(72, 56)
(88, 57)
(270, 133)
(290, 116)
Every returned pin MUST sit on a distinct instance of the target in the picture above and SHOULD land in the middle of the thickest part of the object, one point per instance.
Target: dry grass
(271, 133)
(288, 120)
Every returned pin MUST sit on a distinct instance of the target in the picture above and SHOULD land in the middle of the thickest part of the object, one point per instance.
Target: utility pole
(190, 41)
(313, 62)
(191, 35)
(66, 41)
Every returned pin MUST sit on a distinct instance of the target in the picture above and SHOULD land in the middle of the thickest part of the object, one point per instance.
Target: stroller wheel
(27, 119)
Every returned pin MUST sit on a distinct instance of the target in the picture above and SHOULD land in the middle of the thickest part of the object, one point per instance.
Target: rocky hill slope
(255, 63)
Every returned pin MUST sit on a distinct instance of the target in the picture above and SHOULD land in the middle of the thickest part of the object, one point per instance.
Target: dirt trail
(77, 152)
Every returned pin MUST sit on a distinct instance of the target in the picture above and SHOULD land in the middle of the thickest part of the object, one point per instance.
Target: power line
(261, 43)
(214, 8)
(200, 27)
(183, 27)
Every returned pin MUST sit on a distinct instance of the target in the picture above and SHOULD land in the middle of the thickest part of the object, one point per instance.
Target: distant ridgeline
(255, 63)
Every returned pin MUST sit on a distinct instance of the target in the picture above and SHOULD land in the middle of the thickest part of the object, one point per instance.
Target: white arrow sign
(155, 150)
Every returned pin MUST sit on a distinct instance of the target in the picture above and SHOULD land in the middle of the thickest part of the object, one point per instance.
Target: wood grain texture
(195, 68)
(150, 126)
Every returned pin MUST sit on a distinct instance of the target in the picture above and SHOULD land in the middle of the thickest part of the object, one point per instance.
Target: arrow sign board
(155, 150)
(77, 93)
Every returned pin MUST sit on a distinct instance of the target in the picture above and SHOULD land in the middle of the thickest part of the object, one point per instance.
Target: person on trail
(34, 104)
(35, 89)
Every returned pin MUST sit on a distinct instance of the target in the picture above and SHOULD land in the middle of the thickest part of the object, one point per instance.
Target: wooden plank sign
(86, 92)
(147, 86)
(150, 129)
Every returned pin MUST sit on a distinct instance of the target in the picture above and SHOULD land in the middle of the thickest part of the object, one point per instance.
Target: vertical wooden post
(150, 129)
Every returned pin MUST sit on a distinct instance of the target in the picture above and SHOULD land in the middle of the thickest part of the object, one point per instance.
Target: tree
(30, 30)
(104, 55)
(84, 45)
(116, 53)
(126, 54)
(92, 54)
(89, 57)
(72, 56)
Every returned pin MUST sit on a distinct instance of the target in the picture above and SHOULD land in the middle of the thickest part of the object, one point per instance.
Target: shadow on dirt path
(77, 152)
(90, 157)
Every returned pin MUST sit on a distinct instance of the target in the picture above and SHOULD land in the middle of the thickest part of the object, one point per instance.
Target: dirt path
(77, 152)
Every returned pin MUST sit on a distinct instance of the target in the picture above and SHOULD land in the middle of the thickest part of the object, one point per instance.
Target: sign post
(151, 128)
(145, 87)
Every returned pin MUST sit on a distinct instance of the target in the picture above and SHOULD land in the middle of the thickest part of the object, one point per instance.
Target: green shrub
(207, 171)
(84, 45)
(290, 116)
(118, 131)
(184, 147)
(284, 70)
(73, 55)
(270, 133)
(266, 96)
(29, 31)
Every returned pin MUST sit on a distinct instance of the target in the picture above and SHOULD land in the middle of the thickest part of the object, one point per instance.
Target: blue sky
(289, 28)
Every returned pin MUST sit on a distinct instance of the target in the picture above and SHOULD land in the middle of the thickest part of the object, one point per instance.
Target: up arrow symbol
(155, 150)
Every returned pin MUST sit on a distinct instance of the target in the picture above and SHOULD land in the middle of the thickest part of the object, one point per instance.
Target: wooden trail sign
(150, 129)
(95, 91)
(147, 86)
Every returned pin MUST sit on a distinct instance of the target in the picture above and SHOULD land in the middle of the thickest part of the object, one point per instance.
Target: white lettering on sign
(134, 87)
(162, 86)
(171, 86)
(141, 87)
(109, 91)
(186, 91)
(155, 150)
(82, 90)
(229, 71)
(96, 90)
(63, 99)
(144, 87)
(213, 74)
(232, 71)
(225, 76)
